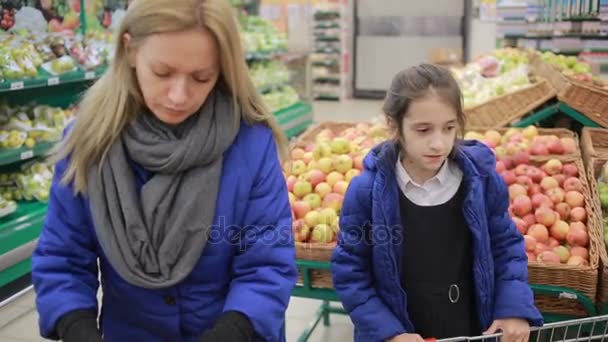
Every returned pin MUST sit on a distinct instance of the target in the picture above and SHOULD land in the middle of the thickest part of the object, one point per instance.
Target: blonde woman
(170, 178)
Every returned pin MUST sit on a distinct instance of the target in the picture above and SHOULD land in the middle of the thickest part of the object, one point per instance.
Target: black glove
(79, 326)
(232, 326)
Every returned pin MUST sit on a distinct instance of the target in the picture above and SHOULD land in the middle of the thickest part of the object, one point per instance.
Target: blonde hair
(115, 99)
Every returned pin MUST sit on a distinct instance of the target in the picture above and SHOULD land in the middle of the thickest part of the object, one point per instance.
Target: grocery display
(318, 175)
(260, 37)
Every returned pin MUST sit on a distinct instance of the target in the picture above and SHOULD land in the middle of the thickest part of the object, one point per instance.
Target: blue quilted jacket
(254, 276)
(366, 262)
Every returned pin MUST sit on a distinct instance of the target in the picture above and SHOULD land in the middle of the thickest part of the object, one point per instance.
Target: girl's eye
(451, 128)
(423, 130)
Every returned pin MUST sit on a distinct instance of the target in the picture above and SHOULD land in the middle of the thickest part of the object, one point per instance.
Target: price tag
(17, 85)
(89, 75)
(53, 81)
(27, 154)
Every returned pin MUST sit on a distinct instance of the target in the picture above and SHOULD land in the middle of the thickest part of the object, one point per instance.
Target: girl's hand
(513, 329)
(406, 338)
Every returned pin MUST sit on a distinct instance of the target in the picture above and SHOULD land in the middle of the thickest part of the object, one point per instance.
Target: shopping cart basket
(584, 329)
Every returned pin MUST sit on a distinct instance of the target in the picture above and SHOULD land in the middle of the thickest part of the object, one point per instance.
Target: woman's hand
(406, 338)
(513, 329)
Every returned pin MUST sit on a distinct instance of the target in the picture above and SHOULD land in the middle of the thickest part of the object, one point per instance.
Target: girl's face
(428, 133)
(176, 71)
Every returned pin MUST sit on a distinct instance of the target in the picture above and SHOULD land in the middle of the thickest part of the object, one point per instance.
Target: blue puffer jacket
(254, 276)
(365, 263)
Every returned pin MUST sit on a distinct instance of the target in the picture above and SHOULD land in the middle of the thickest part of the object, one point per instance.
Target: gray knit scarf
(154, 238)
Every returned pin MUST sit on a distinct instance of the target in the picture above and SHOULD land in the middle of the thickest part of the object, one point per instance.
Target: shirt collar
(441, 177)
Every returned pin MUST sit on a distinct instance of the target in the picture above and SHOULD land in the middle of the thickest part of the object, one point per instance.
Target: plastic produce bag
(30, 19)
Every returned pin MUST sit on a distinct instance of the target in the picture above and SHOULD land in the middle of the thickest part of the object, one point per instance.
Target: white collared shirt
(435, 191)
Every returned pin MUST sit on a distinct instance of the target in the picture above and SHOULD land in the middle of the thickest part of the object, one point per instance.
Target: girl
(426, 246)
(170, 181)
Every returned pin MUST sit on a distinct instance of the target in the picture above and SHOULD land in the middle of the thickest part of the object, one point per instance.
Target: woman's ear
(126, 41)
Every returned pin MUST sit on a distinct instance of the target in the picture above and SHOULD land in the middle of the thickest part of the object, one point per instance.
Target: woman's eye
(201, 80)
(161, 74)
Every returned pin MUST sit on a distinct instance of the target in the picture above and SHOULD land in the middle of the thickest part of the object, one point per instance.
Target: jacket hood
(472, 156)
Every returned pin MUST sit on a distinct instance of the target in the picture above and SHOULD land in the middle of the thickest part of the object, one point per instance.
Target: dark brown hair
(415, 83)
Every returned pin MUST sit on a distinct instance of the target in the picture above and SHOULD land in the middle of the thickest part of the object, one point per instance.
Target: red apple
(556, 195)
(508, 161)
(548, 257)
(545, 216)
(530, 242)
(340, 187)
(578, 225)
(521, 225)
(509, 177)
(570, 170)
(559, 230)
(521, 169)
(525, 181)
(549, 183)
(301, 208)
(323, 189)
(535, 174)
(578, 237)
(500, 167)
(301, 232)
(517, 190)
(358, 162)
(315, 177)
(555, 147)
(302, 188)
(539, 149)
(530, 219)
(539, 233)
(575, 199)
(291, 181)
(573, 184)
(540, 200)
(535, 189)
(541, 247)
(578, 214)
(333, 201)
(563, 252)
(553, 167)
(521, 158)
(563, 209)
(531, 256)
(569, 145)
(553, 242)
(580, 251)
(561, 178)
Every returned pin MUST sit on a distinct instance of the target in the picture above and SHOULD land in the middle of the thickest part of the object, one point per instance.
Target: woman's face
(176, 71)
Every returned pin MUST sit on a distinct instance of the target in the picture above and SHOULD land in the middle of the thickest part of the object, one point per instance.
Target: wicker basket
(583, 279)
(556, 79)
(594, 143)
(503, 110)
(558, 132)
(591, 101)
(317, 252)
(309, 135)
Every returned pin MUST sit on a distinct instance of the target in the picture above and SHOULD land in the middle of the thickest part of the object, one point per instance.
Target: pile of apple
(548, 207)
(516, 145)
(318, 175)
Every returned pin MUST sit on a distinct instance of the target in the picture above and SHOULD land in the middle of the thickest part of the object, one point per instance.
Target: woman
(169, 178)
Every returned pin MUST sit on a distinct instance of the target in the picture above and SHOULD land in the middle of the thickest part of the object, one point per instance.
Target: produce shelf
(23, 226)
(45, 79)
(295, 119)
(10, 156)
(263, 55)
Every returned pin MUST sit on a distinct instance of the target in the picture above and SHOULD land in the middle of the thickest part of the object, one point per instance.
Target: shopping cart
(584, 329)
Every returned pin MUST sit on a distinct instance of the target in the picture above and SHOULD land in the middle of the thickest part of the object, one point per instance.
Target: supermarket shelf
(327, 97)
(295, 119)
(270, 87)
(331, 39)
(10, 156)
(335, 78)
(264, 55)
(326, 63)
(327, 26)
(573, 51)
(22, 226)
(572, 35)
(47, 80)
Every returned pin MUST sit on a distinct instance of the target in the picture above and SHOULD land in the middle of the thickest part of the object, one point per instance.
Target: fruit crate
(318, 278)
(558, 132)
(503, 110)
(594, 143)
(583, 279)
(309, 135)
(556, 78)
(589, 100)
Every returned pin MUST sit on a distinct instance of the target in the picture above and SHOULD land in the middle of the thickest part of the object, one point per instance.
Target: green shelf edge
(46, 80)
(11, 156)
(22, 226)
(15, 272)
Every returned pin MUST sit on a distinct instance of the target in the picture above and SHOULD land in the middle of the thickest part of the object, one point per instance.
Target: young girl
(427, 247)
(169, 185)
